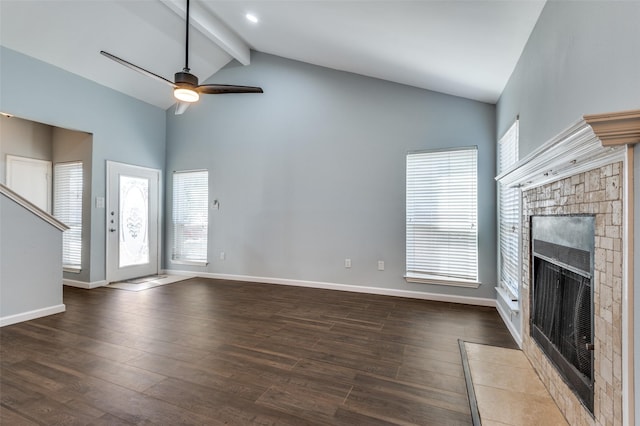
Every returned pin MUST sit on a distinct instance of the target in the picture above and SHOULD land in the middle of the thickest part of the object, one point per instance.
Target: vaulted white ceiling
(464, 48)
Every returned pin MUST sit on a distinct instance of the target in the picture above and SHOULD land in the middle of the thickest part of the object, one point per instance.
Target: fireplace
(562, 297)
(585, 171)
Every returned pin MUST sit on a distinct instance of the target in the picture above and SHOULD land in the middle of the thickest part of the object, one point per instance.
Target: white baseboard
(83, 284)
(507, 321)
(37, 313)
(479, 301)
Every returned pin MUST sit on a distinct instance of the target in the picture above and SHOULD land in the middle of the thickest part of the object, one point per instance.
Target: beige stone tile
(494, 423)
(507, 377)
(496, 355)
(516, 408)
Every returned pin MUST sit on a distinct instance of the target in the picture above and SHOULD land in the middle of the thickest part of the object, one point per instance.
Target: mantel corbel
(618, 128)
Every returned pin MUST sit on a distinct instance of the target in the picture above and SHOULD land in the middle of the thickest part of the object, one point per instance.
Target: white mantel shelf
(591, 142)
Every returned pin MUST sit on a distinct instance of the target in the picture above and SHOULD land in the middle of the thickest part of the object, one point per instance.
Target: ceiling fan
(186, 89)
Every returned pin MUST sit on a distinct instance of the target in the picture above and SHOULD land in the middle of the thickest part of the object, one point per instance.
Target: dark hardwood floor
(212, 352)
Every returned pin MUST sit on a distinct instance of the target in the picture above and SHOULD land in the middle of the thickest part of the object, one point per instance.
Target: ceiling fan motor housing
(186, 78)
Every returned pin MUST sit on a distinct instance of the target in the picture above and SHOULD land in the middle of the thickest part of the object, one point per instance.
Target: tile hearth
(507, 389)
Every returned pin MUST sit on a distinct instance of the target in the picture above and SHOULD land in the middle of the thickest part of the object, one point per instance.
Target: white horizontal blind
(442, 240)
(190, 216)
(67, 208)
(509, 214)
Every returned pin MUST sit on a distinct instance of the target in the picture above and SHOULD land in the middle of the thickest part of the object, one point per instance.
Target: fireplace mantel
(591, 142)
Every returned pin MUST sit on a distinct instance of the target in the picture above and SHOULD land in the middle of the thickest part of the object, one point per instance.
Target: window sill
(71, 269)
(189, 262)
(431, 279)
(507, 298)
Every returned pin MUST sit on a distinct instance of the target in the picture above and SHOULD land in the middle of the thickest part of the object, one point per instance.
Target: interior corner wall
(582, 58)
(124, 129)
(313, 172)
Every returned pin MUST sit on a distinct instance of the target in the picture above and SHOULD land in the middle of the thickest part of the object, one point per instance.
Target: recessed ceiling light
(251, 17)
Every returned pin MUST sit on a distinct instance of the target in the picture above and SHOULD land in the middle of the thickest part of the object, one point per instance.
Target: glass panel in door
(134, 208)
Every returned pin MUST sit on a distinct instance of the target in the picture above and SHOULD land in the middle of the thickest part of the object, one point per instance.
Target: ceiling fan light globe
(186, 95)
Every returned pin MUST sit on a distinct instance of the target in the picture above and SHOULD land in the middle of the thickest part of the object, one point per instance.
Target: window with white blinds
(509, 214)
(190, 216)
(67, 208)
(442, 237)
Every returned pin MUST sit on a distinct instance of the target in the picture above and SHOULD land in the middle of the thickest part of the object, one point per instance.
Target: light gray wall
(124, 129)
(582, 58)
(71, 145)
(26, 239)
(313, 171)
(23, 138)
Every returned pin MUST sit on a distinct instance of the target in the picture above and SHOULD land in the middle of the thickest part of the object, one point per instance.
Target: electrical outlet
(347, 263)
(222, 255)
(380, 265)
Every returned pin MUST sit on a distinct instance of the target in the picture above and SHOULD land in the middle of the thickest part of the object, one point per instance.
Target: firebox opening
(562, 297)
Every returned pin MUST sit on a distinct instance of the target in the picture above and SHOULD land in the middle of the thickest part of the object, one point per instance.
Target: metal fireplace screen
(562, 303)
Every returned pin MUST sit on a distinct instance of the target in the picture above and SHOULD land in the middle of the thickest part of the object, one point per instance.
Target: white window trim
(510, 136)
(190, 262)
(185, 261)
(63, 215)
(432, 279)
(426, 277)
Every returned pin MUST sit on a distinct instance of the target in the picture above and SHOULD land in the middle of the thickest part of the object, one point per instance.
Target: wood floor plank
(211, 352)
(10, 417)
(397, 409)
(397, 390)
(301, 401)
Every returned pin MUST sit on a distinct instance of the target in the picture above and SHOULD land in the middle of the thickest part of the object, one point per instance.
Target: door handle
(112, 229)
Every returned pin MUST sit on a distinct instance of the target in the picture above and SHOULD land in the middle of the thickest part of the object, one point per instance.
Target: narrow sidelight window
(509, 215)
(190, 216)
(441, 225)
(67, 208)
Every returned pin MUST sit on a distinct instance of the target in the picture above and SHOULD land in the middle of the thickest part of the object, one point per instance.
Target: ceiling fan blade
(137, 68)
(181, 107)
(215, 89)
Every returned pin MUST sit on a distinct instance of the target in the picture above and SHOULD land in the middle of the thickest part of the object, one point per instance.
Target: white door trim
(158, 172)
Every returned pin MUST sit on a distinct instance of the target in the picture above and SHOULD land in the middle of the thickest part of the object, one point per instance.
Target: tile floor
(147, 282)
(507, 389)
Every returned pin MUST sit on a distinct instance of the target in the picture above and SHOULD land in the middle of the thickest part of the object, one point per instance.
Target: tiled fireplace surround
(595, 192)
(584, 170)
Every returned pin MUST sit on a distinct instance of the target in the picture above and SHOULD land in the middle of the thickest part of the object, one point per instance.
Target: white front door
(132, 221)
